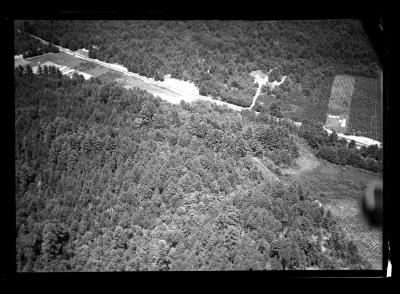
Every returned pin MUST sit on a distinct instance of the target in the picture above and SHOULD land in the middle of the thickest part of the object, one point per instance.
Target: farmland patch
(368, 239)
(110, 75)
(366, 109)
(57, 58)
(91, 68)
(342, 91)
(337, 117)
(355, 107)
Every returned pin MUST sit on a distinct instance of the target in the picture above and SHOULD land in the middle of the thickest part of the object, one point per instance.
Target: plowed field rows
(367, 239)
(366, 109)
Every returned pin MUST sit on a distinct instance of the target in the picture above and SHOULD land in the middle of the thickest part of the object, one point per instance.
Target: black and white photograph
(198, 145)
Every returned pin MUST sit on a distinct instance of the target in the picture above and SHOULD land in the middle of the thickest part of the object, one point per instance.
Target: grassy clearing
(339, 181)
(366, 110)
(305, 162)
(58, 58)
(340, 189)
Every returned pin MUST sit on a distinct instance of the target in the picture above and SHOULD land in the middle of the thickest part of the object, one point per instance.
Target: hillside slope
(110, 179)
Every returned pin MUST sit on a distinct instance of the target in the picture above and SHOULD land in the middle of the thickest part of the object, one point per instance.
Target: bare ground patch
(305, 162)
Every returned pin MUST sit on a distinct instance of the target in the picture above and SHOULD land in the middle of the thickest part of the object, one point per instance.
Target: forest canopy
(117, 180)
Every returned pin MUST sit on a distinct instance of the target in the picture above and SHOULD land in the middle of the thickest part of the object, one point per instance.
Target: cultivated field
(342, 91)
(110, 75)
(368, 239)
(355, 107)
(338, 112)
(18, 60)
(91, 68)
(366, 109)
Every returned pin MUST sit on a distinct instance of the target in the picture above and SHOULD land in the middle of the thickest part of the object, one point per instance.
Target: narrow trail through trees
(266, 172)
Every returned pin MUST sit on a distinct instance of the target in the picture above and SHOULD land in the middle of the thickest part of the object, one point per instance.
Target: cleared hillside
(366, 109)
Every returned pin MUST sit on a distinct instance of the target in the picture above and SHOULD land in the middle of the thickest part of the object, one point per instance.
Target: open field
(305, 162)
(340, 189)
(18, 60)
(132, 82)
(58, 58)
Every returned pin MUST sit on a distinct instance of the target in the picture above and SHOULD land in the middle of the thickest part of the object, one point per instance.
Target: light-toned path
(268, 175)
(262, 82)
